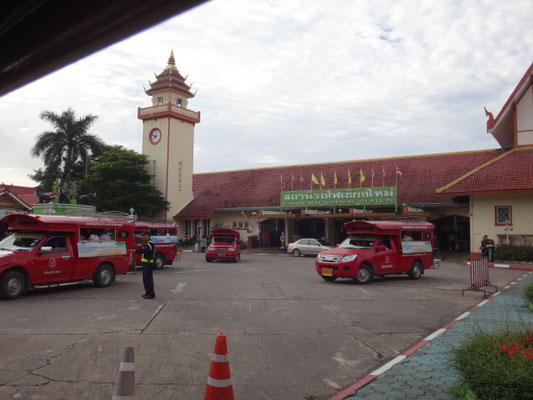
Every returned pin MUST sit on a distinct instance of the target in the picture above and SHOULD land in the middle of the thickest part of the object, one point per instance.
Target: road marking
(192, 270)
(179, 288)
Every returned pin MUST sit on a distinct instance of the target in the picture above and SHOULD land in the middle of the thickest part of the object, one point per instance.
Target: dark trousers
(148, 279)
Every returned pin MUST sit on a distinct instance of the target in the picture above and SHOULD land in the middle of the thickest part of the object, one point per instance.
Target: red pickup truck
(377, 248)
(49, 250)
(224, 244)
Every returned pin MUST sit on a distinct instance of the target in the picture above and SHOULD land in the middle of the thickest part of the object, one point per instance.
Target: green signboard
(339, 197)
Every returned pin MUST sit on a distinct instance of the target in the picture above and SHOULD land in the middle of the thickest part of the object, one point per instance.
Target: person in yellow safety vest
(147, 259)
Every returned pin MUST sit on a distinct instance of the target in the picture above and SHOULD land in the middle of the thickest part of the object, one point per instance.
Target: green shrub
(495, 366)
(187, 243)
(528, 293)
(243, 244)
(514, 253)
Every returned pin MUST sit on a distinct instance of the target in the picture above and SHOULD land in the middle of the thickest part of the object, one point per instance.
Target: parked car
(308, 246)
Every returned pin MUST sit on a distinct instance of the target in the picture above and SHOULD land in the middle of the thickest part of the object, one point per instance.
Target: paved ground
(426, 374)
(291, 335)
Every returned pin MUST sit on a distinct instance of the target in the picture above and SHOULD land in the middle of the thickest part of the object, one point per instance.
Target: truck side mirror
(337, 245)
(45, 249)
(381, 248)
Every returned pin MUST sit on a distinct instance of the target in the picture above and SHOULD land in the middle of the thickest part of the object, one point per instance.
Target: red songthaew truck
(44, 250)
(50, 249)
(379, 248)
(224, 244)
(165, 237)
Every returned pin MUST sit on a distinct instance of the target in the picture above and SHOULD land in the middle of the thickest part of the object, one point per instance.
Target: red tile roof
(510, 172)
(422, 175)
(24, 194)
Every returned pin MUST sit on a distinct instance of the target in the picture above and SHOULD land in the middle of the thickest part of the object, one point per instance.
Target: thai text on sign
(339, 197)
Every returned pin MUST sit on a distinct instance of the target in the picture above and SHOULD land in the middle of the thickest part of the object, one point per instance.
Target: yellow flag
(335, 180)
(313, 178)
(349, 177)
(362, 176)
(322, 180)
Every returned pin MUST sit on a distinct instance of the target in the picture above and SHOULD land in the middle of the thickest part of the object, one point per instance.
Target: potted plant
(253, 241)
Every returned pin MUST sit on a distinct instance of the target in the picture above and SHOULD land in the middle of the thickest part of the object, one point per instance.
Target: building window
(187, 227)
(235, 225)
(159, 100)
(207, 227)
(178, 102)
(503, 215)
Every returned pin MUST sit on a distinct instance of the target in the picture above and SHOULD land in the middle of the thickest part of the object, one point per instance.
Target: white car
(307, 246)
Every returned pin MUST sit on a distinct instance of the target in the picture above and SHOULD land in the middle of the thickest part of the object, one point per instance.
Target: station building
(465, 194)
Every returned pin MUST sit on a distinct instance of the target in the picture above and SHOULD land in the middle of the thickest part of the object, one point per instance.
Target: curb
(269, 254)
(398, 359)
(507, 266)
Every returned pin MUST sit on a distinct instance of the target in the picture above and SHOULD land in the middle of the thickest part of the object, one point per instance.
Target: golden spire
(171, 60)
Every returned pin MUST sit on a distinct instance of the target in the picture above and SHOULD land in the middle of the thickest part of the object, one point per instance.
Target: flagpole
(396, 207)
(292, 182)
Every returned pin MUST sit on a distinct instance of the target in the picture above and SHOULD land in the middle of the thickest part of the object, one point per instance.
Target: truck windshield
(223, 239)
(358, 242)
(21, 241)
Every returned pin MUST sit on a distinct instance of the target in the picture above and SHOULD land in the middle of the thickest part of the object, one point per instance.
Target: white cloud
(294, 82)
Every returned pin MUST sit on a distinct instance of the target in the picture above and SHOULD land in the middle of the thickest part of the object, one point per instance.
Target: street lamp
(508, 228)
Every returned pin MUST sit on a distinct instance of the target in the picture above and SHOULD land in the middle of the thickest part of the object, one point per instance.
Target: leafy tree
(65, 148)
(120, 181)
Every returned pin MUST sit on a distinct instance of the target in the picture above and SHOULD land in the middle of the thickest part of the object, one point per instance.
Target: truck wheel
(12, 285)
(296, 253)
(364, 274)
(160, 261)
(208, 259)
(329, 278)
(104, 275)
(238, 258)
(416, 270)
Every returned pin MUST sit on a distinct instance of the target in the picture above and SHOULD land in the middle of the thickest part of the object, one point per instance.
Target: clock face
(155, 136)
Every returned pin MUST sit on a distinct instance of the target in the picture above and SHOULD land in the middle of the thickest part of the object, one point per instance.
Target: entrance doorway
(310, 228)
(452, 233)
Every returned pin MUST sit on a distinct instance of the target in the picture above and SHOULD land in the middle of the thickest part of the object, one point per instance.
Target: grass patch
(495, 366)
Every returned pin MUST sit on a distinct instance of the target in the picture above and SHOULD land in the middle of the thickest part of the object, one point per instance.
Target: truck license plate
(221, 254)
(327, 271)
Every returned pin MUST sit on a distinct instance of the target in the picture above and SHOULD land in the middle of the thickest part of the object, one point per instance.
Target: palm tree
(67, 144)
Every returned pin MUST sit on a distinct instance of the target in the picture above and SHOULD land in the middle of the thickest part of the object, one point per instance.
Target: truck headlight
(349, 258)
(320, 257)
(211, 248)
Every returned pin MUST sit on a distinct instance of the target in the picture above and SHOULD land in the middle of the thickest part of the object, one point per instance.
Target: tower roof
(170, 78)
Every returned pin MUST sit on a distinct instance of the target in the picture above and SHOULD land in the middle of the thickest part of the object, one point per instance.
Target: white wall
(482, 221)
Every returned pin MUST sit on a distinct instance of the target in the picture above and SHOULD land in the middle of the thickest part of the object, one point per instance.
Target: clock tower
(168, 136)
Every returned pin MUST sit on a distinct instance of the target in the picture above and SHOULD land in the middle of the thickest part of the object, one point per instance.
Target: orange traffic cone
(219, 380)
(125, 387)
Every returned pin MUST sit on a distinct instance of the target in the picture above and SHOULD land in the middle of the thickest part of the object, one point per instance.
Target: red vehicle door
(386, 258)
(53, 260)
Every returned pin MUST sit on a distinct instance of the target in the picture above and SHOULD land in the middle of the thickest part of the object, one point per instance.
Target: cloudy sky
(286, 82)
